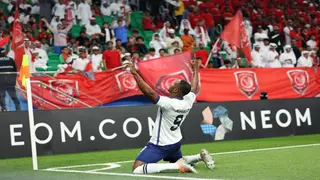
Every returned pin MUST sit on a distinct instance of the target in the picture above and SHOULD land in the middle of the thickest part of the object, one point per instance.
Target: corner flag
(24, 70)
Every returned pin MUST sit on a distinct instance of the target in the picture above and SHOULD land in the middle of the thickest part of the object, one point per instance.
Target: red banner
(247, 84)
(108, 87)
(161, 73)
(17, 40)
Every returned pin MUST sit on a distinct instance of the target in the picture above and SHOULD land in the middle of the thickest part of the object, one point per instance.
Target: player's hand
(195, 64)
(132, 68)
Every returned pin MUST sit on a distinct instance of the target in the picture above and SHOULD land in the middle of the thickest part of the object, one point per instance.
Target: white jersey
(171, 114)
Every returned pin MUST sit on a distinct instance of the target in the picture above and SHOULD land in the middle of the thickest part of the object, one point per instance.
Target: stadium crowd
(103, 34)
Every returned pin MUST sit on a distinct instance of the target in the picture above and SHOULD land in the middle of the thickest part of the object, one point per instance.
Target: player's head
(179, 88)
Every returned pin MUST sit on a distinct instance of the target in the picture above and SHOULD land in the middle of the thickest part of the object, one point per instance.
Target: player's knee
(138, 170)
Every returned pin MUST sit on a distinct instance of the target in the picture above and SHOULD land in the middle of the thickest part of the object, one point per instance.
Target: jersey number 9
(177, 122)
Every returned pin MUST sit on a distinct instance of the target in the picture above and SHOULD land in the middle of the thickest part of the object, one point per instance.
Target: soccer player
(166, 139)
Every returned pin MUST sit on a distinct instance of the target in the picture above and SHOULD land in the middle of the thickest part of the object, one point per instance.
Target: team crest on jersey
(126, 81)
(247, 82)
(68, 88)
(164, 82)
(299, 80)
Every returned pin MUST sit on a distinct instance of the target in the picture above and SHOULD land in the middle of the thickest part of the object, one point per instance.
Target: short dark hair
(139, 38)
(109, 42)
(162, 50)
(184, 87)
(118, 40)
(227, 61)
(152, 50)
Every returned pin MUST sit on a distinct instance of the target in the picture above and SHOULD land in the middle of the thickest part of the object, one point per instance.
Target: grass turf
(295, 163)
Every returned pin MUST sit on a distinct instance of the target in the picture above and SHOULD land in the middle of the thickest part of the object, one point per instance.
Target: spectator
(126, 58)
(296, 35)
(131, 45)
(194, 17)
(227, 65)
(260, 33)
(209, 23)
(84, 12)
(158, 22)
(107, 34)
(64, 55)
(80, 63)
(59, 36)
(295, 49)
(45, 45)
(41, 57)
(227, 15)
(256, 57)
(203, 54)
(7, 81)
(173, 42)
(264, 46)
(287, 58)
(93, 29)
(314, 58)
(111, 57)
(151, 55)
(164, 32)
(125, 9)
(201, 34)
(121, 30)
(275, 37)
(271, 58)
(177, 51)
(25, 17)
(157, 43)
(96, 59)
(147, 22)
(73, 7)
(82, 38)
(59, 9)
(312, 43)
(3, 22)
(54, 22)
(44, 34)
(105, 8)
(186, 12)
(119, 46)
(135, 57)
(179, 10)
(140, 47)
(25, 5)
(304, 60)
(185, 24)
(162, 53)
(188, 41)
(73, 44)
(135, 34)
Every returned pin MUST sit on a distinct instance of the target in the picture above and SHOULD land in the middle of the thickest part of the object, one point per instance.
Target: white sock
(155, 168)
(192, 159)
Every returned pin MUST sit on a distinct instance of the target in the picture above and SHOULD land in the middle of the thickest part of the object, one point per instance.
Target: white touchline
(130, 175)
(113, 165)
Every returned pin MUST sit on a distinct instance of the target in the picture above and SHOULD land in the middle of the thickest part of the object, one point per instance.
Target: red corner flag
(235, 34)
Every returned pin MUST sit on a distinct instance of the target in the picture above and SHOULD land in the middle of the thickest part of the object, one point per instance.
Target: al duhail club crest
(299, 80)
(247, 82)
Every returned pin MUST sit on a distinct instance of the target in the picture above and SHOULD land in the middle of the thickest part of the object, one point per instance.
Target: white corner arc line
(130, 175)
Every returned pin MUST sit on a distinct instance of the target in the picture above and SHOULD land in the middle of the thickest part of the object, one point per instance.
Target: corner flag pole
(24, 77)
(31, 125)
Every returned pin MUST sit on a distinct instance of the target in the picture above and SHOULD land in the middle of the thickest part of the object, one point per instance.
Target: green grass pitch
(273, 158)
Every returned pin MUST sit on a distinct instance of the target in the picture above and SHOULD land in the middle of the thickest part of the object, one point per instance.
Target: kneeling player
(165, 142)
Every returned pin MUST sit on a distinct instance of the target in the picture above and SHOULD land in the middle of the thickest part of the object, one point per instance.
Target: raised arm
(48, 25)
(195, 75)
(143, 86)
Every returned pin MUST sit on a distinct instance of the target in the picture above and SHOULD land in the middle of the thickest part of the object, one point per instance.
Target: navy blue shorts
(152, 153)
